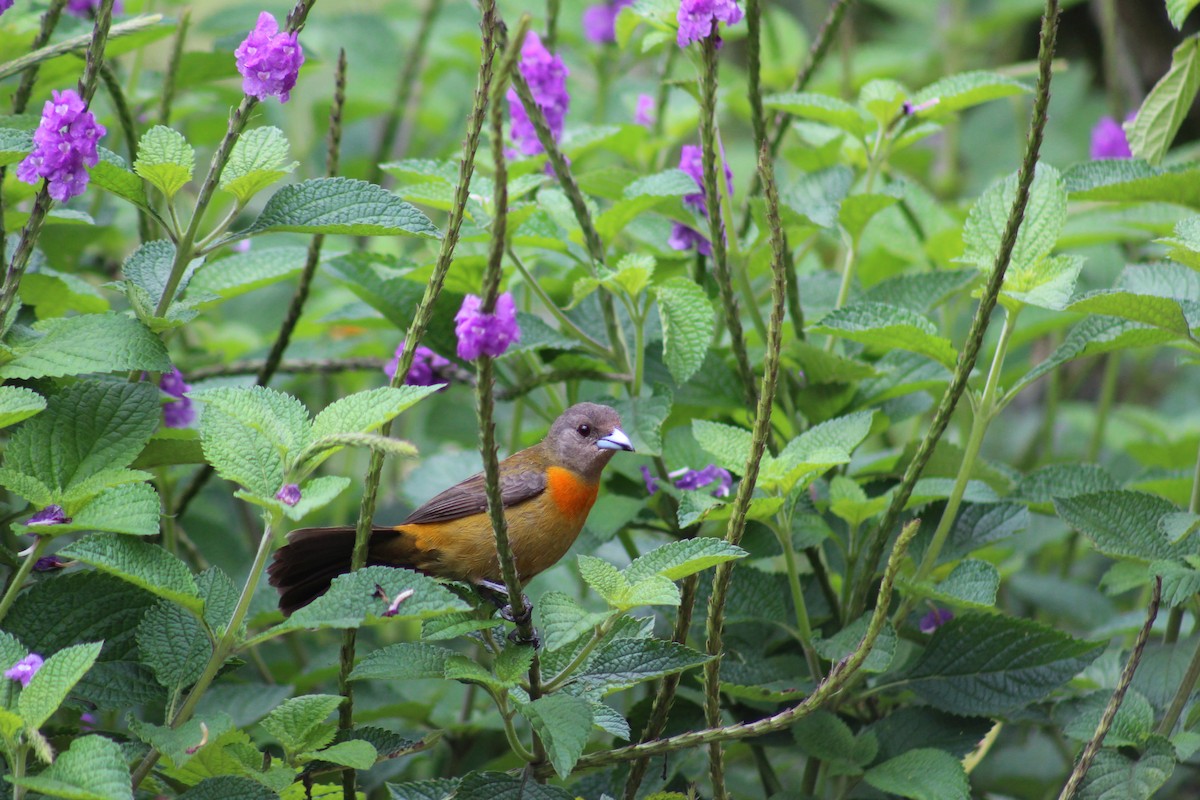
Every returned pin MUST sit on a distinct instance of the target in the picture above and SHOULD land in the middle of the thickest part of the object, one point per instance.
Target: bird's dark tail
(303, 569)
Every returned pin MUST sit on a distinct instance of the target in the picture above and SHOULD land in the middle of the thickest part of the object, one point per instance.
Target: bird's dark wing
(469, 497)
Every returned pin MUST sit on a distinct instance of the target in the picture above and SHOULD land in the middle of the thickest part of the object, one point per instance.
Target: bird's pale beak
(617, 440)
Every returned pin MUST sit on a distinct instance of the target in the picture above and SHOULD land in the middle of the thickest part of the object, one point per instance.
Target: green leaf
(971, 584)
(16, 144)
(847, 640)
(342, 205)
(93, 768)
(174, 644)
(1133, 723)
(113, 175)
(603, 577)
(561, 620)
(882, 327)
(670, 183)
(1159, 312)
(355, 754)
(729, 446)
(688, 325)
(1178, 10)
(240, 273)
(1114, 775)
(675, 560)
(1162, 112)
(54, 294)
(299, 724)
(86, 343)
(1122, 523)
(18, 403)
(922, 774)
(403, 662)
(367, 411)
(499, 786)
(87, 429)
(1132, 180)
(174, 743)
(140, 563)
(966, 89)
(1045, 216)
(563, 722)
(229, 787)
(825, 736)
(918, 291)
(986, 664)
(623, 663)
(352, 600)
(1049, 284)
(820, 447)
(818, 196)
(259, 158)
(433, 789)
(131, 508)
(822, 108)
(882, 99)
(51, 684)
(249, 434)
(165, 159)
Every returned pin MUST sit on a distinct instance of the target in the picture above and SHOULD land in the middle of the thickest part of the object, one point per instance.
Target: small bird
(547, 490)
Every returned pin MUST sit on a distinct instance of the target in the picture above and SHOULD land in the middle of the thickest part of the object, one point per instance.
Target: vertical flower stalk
(741, 504)
(877, 540)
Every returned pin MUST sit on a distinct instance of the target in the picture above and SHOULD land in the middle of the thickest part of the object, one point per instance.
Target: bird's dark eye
(584, 429)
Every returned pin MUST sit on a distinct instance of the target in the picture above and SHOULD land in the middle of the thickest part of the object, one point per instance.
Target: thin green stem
(563, 320)
(224, 648)
(18, 771)
(1108, 393)
(17, 580)
(877, 540)
(565, 675)
(552, 9)
(803, 627)
(167, 98)
(754, 71)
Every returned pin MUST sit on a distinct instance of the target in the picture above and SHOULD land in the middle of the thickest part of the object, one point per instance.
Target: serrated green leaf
(240, 273)
(165, 159)
(367, 411)
(825, 736)
(675, 560)
(434, 789)
(729, 446)
(259, 158)
(93, 768)
(355, 754)
(1166, 106)
(669, 183)
(1178, 10)
(563, 722)
(149, 267)
(986, 664)
(688, 325)
(847, 640)
(1159, 312)
(632, 274)
(173, 643)
(465, 670)
(249, 434)
(174, 743)
(1045, 217)
(131, 508)
(53, 294)
(883, 327)
(113, 175)
(654, 590)
(18, 403)
(51, 684)
(299, 723)
(141, 563)
(1133, 723)
(822, 108)
(86, 343)
(342, 205)
(500, 786)
(512, 663)
(352, 600)
(604, 578)
(971, 584)
(561, 621)
(966, 89)
(402, 662)
(1129, 180)
(1049, 284)
(627, 662)
(1114, 775)
(1122, 523)
(230, 787)
(820, 447)
(882, 99)
(817, 197)
(922, 774)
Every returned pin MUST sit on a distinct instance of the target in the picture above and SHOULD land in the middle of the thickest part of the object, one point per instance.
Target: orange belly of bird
(540, 531)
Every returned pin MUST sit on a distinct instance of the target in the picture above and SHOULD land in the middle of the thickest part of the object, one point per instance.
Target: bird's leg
(497, 594)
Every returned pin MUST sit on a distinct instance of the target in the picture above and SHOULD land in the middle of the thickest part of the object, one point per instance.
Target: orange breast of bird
(540, 530)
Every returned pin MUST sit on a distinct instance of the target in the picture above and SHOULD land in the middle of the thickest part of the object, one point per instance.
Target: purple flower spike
(1108, 139)
(698, 18)
(644, 113)
(269, 60)
(651, 481)
(936, 618)
(63, 146)
(546, 75)
(600, 20)
(486, 334)
(5, 5)
(699, 478)
(50, 515)
(691, 161)
(25, 669)
(288, 494)
(87, 8)
(177, 413)
(426, 366)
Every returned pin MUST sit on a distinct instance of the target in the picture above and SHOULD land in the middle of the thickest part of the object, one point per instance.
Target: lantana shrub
(897, 302)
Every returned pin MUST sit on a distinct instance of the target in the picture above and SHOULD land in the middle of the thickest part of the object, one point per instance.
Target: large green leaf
(174, 644)
(675, 560)
(403, 662)
(884, 327)
(299, 724)
(563, 722)
(1123, 524)
(18, 403)
(341, 205)
(1164, 109)
(165, 160)
(1044, 218)
(1132, 181)
(79, 345)
(51, 684)
(688, 324)
(922, 774)
(93, 768)
(141, 563)
(627, 662)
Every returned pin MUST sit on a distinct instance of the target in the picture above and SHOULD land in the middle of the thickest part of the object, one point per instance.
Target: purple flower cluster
(698, 18)
(50, 515)
(692, 479)
(691, 161)
(426, 366)
(600, 21)
(486, 334)
(288, 494)
(644, 114)
(25, 669)
(177, 413)
(5, 5)
(936, 618)
(1108, 140)
(269, 60)
(546, 75)
(87, 8)
(63, 144)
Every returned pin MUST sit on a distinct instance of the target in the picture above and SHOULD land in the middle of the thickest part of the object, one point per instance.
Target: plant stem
(754, 71)
(597, 636)
(715, 622)
(1118, 696)
(552, 8)
(803, 627)
(17, 580)
(570, 327)
(224, 648)
(877, 540)
(168, 88)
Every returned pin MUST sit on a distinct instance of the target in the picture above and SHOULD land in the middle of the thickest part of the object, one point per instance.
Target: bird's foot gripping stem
(497, 594)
